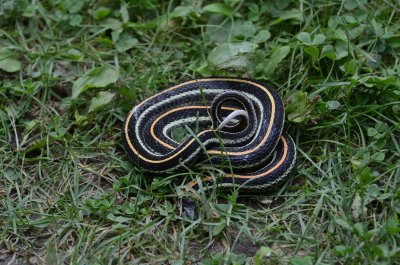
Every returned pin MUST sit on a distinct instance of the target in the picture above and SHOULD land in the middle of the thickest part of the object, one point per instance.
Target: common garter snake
(242, 125)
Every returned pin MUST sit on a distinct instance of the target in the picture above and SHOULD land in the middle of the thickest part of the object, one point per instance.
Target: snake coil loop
(241, 121)
(234, 100)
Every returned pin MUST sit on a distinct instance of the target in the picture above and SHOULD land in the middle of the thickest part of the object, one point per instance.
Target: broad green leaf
(203, 69)
(261, 253)
(382, 251)
(231, 55)
(296, 109)
(357, 207)
(112, 23)
(318, 39)
(350, 19)
(341, 54)
(350, 67)
(340, 34)
(333, 22)
(377, 26)
(74, 6)
(305, 38)
(277, 56)
(74, 54)
(373, 191)
(216, 33)
(393, 227)
(184, 11)
(101, 12)
(341, 51)
(382, 127)
(350, 5)
(75, 20)
(394, 41)
(245, 30)
(126, 42)
(312, 51)
(333, 104)
(372, 132)
(102, 99)
(254, 12)
(378, 156)
(30, 10)
(328, 51)
(218, 228)
(94, 78)
(357, 31)
(262, 36)
(124, 12)
(219, 8)
(359, 227)
(343, 223)
(341, 250)
(9, 61)
(115, 25)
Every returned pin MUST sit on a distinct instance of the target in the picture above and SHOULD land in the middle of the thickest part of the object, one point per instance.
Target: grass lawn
(71, 70)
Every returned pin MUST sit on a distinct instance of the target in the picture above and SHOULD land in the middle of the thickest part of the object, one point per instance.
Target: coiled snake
(241, 125)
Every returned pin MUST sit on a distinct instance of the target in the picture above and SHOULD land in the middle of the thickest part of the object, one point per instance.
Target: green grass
(71, 70)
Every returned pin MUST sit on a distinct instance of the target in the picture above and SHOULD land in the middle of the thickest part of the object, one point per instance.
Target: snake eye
(230, 111)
